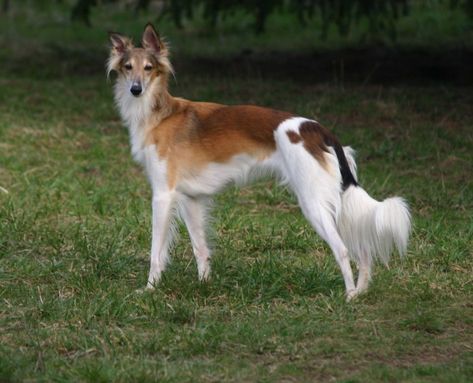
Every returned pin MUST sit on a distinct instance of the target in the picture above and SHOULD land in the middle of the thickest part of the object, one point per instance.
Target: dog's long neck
(141, 114)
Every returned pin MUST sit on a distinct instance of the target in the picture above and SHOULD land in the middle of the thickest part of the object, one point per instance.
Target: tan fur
(190, 135)
(315, 138)
(200, 147)
(197, 133)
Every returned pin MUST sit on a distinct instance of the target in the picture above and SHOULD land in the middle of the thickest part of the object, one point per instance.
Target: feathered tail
(372, 229)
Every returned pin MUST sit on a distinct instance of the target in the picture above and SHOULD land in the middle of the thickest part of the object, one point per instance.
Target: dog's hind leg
(364, 273)
(324, 224)
(314, 177)
(193, 212)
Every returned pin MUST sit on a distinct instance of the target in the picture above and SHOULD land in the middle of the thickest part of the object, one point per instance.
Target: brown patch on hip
(315, 138)
(316, 141)
(293, 137)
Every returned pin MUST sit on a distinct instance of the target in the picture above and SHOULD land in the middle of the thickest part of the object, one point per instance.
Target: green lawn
(75, 237)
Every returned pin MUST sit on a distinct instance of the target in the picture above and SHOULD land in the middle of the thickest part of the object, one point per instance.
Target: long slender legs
(324, 224)
(162, 234)
(364, 273)
(193, 211)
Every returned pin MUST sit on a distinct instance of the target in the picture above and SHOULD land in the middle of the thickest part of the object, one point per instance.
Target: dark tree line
(343, 13)
(5, 6)
(381, 15)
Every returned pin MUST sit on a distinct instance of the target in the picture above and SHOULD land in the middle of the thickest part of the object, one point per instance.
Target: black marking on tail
(347, 176)
(331, 140)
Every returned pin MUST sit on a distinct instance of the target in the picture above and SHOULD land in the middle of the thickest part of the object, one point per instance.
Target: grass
(74, 240)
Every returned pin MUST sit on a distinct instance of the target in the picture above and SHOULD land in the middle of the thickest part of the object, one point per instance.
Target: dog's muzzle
(136, 89)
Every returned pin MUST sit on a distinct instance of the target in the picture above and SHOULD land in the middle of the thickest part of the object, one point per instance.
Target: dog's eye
(148, 67)
(128, 66)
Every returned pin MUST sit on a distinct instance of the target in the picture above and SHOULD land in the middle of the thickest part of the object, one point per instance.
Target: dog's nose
(136, 89)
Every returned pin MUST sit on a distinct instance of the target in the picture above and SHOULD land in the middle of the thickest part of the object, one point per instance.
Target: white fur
(371, 228)
(163, 204)
(318, 192)
(241, 169)
(135, 112)
(311, 182)
(194, 212)
(352, 223)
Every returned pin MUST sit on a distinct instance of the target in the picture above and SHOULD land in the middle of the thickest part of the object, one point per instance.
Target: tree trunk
(5, 6)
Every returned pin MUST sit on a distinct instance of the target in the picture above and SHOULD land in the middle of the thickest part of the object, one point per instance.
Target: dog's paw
(144, 290)
(351, 294)
(204, 271)
(204, 276)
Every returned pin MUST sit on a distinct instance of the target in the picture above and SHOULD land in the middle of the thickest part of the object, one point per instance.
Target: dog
(192, 150)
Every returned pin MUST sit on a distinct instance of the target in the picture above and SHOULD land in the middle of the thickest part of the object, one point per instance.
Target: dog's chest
(135, 113)
(155, 167)
(137, 142)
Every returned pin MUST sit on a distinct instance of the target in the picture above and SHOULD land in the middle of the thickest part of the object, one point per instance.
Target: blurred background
(392, 78)
(361, 41)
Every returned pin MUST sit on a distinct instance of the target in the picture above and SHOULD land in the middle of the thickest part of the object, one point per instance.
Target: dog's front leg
(163, 204)
(193, 211)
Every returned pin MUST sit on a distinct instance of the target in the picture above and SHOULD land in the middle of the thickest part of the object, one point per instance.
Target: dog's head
(139, 67)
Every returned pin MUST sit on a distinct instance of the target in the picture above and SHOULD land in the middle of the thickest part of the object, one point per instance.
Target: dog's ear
(152, 42)
(119, 43)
